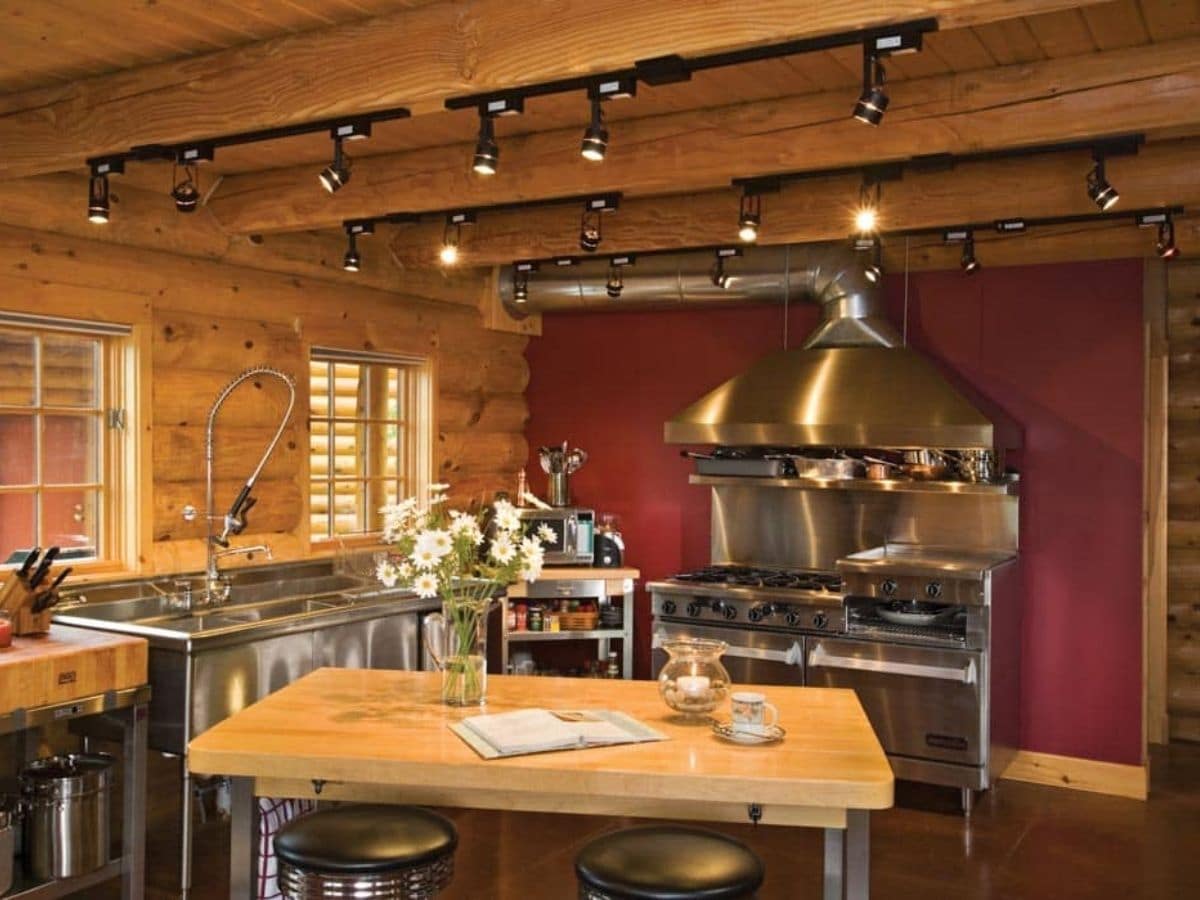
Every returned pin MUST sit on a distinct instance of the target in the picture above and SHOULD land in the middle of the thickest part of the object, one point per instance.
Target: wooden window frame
(119, 486)
(415, 419)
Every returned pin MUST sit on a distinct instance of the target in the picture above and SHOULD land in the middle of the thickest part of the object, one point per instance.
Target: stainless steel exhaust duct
(830, 274)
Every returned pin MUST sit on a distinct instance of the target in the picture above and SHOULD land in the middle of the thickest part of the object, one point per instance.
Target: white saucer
(771, 734)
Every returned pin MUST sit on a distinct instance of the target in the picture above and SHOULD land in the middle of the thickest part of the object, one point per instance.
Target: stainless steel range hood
(853, 384)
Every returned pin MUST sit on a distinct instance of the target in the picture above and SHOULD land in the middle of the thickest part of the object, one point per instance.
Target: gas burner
(749, 576)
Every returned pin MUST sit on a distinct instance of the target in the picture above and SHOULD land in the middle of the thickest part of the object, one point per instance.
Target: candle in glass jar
(693, 685)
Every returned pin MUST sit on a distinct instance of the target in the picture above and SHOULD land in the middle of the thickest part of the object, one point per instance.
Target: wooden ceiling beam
(822, 209)
(417, 58)
(1135, 89)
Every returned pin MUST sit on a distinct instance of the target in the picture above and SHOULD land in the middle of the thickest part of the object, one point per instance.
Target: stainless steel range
(761, 613)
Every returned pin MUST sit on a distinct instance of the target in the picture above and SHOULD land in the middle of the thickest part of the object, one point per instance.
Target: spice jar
(535, 618)
(521, 617)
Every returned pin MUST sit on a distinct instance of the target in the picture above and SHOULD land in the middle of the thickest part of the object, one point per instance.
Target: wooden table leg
(243, 840)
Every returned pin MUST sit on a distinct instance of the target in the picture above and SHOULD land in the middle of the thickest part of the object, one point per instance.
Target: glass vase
(457, 641)
(693, 682)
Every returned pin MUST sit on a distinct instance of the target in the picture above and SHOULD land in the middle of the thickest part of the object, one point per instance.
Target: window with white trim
(370, 438)
(64, 449)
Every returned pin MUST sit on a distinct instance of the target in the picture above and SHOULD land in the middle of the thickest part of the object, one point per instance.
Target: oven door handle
(793, 656)
(967, 675)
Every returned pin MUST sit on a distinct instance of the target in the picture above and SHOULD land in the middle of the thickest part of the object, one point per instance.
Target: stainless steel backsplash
(810, 529)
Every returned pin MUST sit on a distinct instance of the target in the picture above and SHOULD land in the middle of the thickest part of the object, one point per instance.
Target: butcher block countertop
(389, 728)
(67, 664)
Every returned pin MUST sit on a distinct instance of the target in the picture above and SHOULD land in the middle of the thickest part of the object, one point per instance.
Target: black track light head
(520, 286)
(590, 231)
(1165, 246)
(185, 191)
(352, 261)
(595, 138)
(335, 175)
(968, 261)
(487, 151)
(1103, 194)
(718, 275)
(749, 217)
(98, 203)
(873, 100)
(615, 284)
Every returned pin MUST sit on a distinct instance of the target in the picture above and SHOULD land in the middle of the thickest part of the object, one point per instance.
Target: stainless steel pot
(8, 825)
(976, 465)
(833, 468)
(67, 800)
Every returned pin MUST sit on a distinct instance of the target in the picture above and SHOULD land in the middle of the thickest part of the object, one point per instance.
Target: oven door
(923, 703)
(753, 657)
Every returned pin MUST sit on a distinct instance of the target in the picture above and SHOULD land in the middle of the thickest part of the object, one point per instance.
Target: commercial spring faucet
(217, 587)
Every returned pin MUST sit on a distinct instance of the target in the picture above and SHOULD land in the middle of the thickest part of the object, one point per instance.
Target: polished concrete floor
(1022, 841)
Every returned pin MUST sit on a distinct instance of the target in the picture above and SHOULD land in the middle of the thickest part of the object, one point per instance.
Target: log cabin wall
(201, 319)
(1183, 502)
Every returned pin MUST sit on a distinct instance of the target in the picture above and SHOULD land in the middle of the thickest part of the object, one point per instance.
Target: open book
(541, 730)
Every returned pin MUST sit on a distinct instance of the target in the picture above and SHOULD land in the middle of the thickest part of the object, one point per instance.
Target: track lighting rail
(669, 69)
(608, 200)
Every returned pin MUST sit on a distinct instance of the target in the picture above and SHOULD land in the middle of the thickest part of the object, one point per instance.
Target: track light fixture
(520, 276)
(616, 283)
(866, 216)
(874, 269)
(335, 175)
(873, 101)
(487, 152)
(966, 237)
(749, 217)
(98, 199)
(352, 261)
(452, 236)
(719, 277)
(185, 192)
(591, 231)
(1103, 194)
(1165, 245)
(595, 138)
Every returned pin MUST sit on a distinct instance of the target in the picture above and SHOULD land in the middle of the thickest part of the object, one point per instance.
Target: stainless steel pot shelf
(567, 635)
(25, 889)
(894, 486)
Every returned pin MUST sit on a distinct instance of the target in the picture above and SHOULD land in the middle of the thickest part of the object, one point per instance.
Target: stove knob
(792, 619)
(668, 608)
(756, 614)
(820, 620)
(889, 587)
(693, 609)
(933, 590)
(729, 611)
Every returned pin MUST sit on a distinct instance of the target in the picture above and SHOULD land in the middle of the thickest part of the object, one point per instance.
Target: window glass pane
(318, 445)
(18, 527)
(349, 515)
(318, 388)
(347, 449)
(70, 449)
(71, 519)
(17, 383)
(319, 512)
(17, 450)
(70, 371)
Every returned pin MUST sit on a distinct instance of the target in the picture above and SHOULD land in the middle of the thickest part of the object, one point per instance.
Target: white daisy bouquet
(443, 552)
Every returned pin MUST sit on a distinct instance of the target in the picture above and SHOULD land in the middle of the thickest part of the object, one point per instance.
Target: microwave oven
(574, 533)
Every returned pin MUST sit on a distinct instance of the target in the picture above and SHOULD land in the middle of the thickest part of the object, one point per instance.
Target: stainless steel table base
(243, 839)
(848, 858)
(136, 720)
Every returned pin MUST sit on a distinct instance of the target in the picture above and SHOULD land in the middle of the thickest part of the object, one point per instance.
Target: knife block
(17, 600)
(26, 622)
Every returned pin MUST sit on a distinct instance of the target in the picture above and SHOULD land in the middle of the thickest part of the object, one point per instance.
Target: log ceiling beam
(418, 58)
(821, 209)
(149, 221)
(1133, 89)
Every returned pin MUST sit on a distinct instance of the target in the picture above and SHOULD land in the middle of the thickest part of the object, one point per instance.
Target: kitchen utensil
(976, 466)
(913, 613)
(30, 559)
(67, 801)
(826, 468)
(772, 734)
(43, 567)
(881, 469)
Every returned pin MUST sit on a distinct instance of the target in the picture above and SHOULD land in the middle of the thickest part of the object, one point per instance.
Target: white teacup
(750, 710)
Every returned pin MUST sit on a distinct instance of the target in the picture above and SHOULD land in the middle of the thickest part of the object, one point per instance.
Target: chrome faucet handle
(190, 513)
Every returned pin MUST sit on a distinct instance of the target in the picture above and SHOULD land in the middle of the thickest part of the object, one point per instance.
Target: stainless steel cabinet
(388, 643)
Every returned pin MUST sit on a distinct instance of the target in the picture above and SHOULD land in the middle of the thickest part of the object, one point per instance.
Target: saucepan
(925, 464)
(838, 467)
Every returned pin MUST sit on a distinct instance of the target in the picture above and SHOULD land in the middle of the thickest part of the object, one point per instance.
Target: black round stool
(667, 863)
(366, 852)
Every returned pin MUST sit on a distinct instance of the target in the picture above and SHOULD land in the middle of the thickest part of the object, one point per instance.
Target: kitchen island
(382, 736)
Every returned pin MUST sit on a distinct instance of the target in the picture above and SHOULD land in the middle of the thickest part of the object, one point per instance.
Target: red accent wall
(1058, 347)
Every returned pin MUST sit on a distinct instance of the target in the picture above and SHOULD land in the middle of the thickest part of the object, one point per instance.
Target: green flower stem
(466, 605)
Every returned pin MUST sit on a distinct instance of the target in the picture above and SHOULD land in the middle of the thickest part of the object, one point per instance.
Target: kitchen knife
(30, 559)
(48, 598)
(43, 567)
